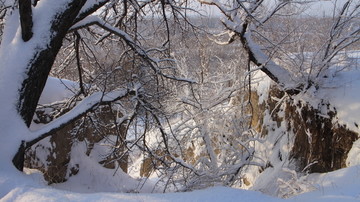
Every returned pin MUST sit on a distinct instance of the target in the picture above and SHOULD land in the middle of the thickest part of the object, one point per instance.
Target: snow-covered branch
(86, 105)
(242, 19)
(90, 7)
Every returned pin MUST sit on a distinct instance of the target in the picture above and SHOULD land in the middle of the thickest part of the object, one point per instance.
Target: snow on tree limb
(90, 7)
(86, 105)
(246, 17)
(343, 33)
(241, 19)
(277, 73)
(219, 5)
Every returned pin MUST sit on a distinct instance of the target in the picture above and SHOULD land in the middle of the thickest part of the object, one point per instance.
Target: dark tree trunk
(18, 159)
(26, 19)
(39, 67)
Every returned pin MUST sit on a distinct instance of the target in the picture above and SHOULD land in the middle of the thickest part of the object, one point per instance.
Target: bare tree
(248, 20)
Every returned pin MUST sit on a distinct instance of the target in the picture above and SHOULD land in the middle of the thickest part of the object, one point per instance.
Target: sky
(324, 8)
(317, 8)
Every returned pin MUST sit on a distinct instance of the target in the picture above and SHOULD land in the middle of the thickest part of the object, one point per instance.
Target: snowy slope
(342, 185)
(342, 90)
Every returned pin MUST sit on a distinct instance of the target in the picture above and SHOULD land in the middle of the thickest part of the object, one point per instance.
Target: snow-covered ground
(342, 185)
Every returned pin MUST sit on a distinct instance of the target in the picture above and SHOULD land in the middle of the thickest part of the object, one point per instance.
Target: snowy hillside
(266, 109)
(340, 185)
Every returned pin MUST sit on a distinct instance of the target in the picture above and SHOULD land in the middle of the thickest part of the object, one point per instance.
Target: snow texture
(64, 89)
(341, 185)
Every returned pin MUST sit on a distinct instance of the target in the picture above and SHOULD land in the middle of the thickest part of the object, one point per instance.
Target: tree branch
(78, 62)
(242, 28)
(276, 73)
(85, 106)
(89, 9)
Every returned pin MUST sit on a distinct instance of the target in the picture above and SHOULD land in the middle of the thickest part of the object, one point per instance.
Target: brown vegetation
(320, 144)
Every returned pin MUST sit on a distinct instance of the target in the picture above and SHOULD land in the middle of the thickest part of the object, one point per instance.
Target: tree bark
(26, 21)
(18, 159)
(40, 65)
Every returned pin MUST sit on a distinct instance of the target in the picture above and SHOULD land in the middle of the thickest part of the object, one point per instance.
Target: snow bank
(342, 90)
(354, 154)
(58, 90)
(341, 185)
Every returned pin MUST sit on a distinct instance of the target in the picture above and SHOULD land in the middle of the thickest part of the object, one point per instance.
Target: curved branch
(85, 106)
